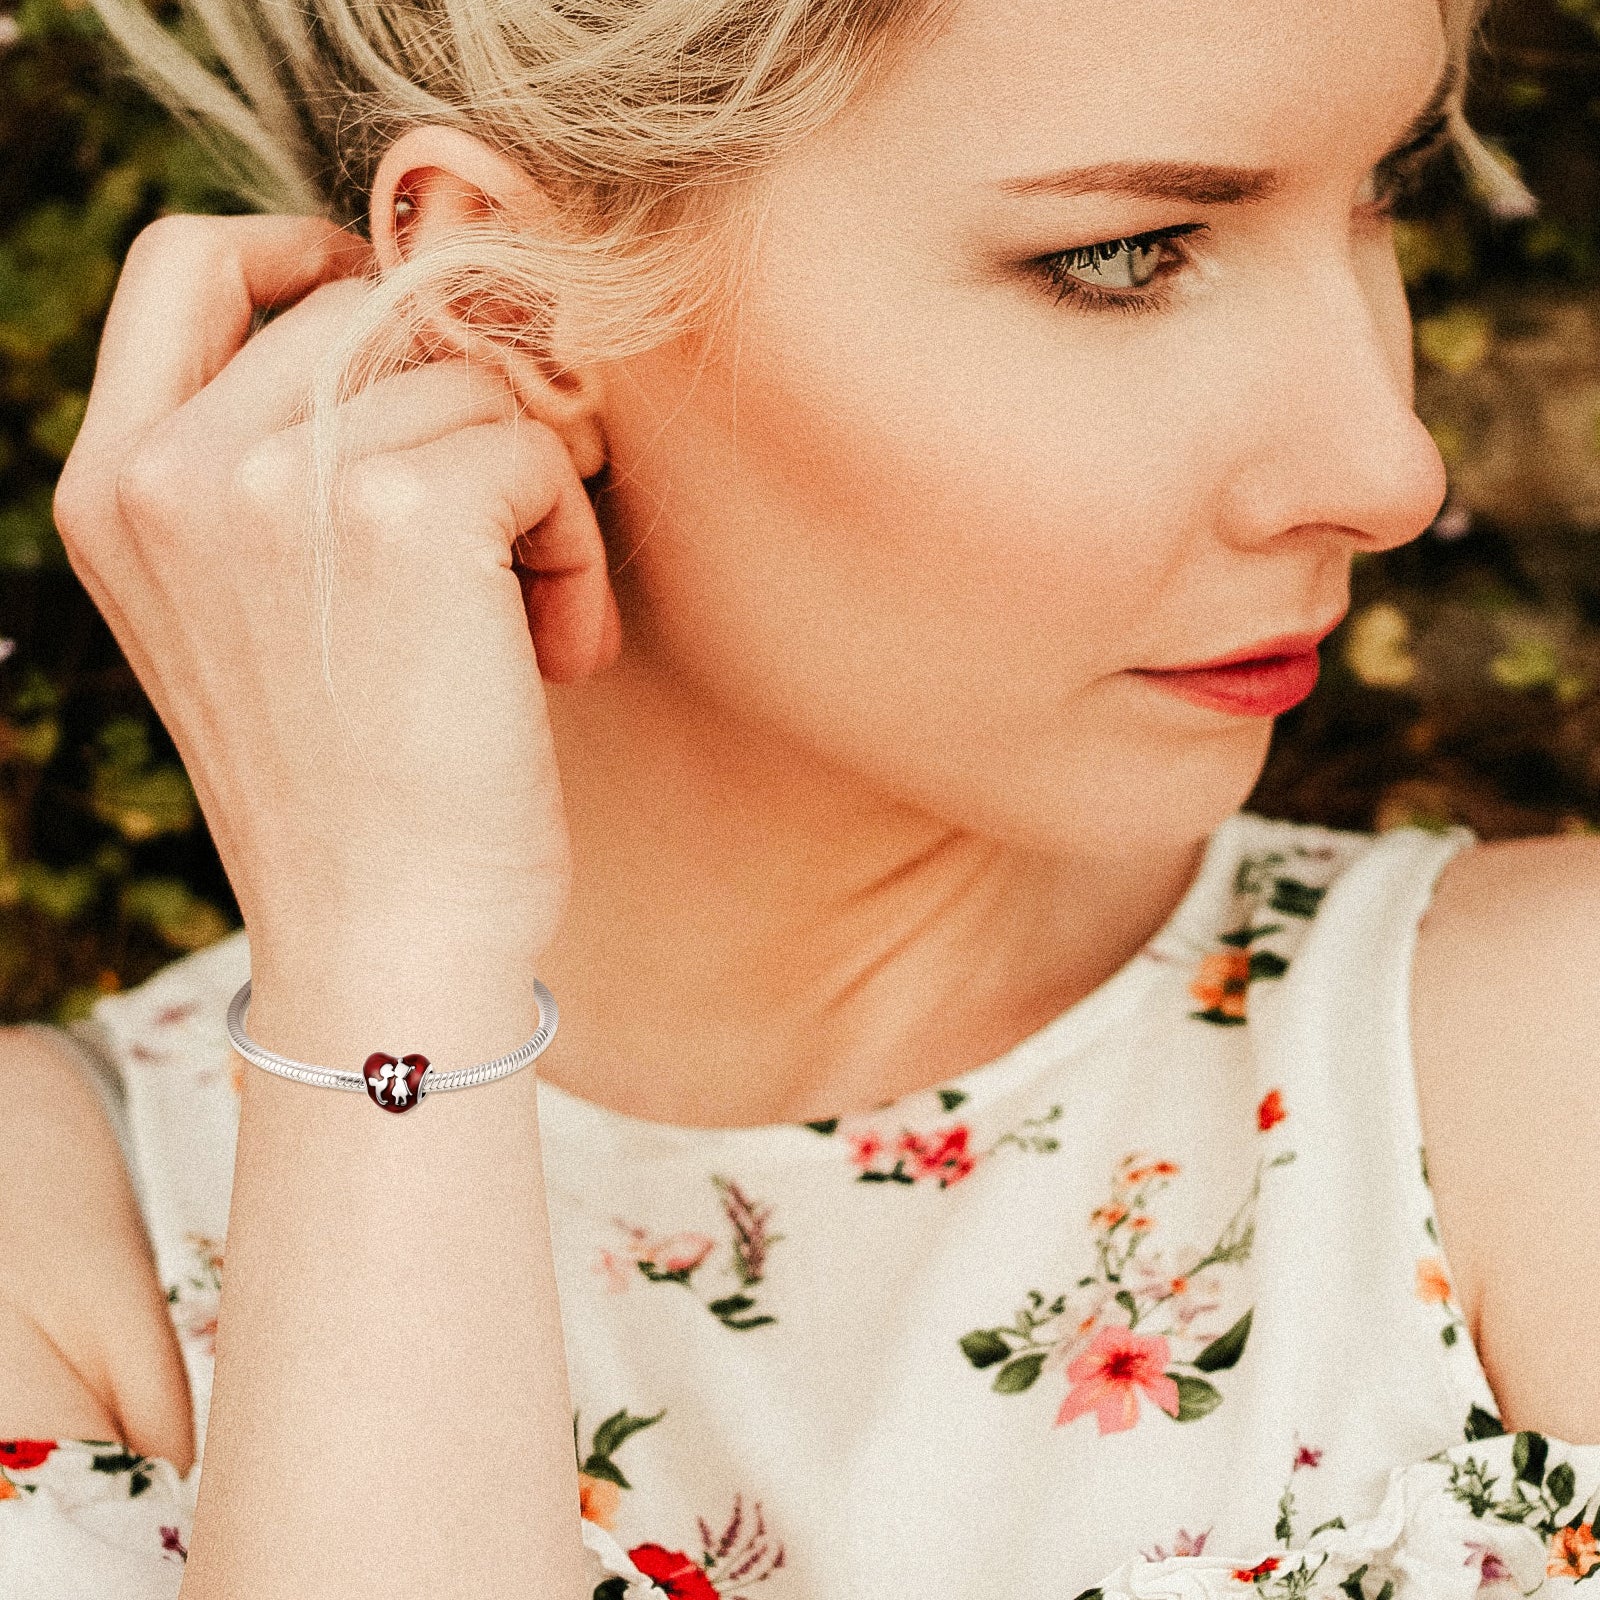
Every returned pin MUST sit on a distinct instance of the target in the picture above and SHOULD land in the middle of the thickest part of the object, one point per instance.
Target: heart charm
(396, 1085)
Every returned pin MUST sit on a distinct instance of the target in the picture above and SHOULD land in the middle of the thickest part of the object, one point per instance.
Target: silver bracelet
(396, 1083)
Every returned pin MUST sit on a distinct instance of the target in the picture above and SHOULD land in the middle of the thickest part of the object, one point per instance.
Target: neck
(755, 935)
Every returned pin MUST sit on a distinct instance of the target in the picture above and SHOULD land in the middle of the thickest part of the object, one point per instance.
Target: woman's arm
(87, 1346)
(390, 1415)
(1507, 1029)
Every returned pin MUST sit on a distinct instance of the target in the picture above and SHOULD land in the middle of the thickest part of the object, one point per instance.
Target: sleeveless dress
(1150, 1307)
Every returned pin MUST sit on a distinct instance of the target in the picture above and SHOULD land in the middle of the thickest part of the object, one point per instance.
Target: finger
(186, 302)
(265, 387)
(551, 537)
(412, 408)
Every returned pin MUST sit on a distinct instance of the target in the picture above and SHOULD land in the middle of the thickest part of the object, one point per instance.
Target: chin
(1128, 797)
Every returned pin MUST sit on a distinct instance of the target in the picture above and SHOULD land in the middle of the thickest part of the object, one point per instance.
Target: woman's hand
(418, 789)
(400, 853)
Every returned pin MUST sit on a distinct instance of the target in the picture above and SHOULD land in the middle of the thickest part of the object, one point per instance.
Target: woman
(891, 463)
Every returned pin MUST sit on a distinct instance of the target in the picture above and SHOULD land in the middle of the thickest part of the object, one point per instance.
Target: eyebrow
(1206, 184)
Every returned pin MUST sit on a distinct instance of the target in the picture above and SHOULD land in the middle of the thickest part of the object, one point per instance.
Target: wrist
(332, 1003)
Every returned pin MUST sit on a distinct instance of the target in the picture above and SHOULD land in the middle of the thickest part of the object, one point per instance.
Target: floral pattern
(21, 1457)
(1140, 1326)
(1503, 1516)
(600, 1479)
(1530, 1487)
(680, 1257)
(731, 1562)
(939, 1155)
(1433, 1285)
(195, 1298)
(1160, 1301)
(1221, 984)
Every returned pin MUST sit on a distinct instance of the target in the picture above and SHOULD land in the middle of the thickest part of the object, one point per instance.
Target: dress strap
(1336, 1035)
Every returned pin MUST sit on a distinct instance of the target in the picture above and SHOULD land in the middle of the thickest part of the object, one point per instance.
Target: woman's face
(942, 491)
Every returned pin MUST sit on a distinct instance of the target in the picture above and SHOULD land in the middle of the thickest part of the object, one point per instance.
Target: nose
(1332, 441)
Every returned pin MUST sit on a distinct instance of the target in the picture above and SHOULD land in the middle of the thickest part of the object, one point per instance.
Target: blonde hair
(638, 118)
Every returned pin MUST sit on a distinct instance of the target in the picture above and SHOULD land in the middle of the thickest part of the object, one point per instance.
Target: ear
(435, 181)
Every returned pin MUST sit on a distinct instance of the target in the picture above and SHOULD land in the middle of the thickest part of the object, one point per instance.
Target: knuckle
(78, 505)
(177, 234)
(152, 484)
(381, 496)
(270, 475)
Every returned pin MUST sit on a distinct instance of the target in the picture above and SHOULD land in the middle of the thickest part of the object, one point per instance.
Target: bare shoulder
(1506, 1026)
(87, 1349)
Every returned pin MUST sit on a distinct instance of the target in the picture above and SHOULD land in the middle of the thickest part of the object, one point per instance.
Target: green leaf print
(603, 1467)
(1528, 1456)
(618, 1428)
(609, 1438)
(951, 1098)
(1294, 898)
(1561, 1485)
(983, 1347)
(1482, 1424)
(1266, 964)
(731, 1309)
(1015, 1376)
(1224, 1351)
(1196, 1397)
(1216, 1015)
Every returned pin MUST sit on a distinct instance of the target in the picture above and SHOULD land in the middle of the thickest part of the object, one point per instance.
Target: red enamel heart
(395, 1084)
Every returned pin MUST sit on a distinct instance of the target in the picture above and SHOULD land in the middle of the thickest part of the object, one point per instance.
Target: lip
(1262, 680)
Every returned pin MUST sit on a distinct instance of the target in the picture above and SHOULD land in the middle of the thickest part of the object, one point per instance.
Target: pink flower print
(1306, 1456)
(946, 1156)
(201, 1325)
(1491, 1566)
(668, 1255)
(1108, 1376)
(1186, 1544)
(618, 1270)
(679, 1252)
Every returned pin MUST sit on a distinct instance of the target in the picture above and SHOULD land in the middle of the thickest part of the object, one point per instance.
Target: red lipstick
(1264, 680)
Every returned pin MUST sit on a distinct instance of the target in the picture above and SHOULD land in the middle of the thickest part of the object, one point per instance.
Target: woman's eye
(1117, 272)
(1123, 264)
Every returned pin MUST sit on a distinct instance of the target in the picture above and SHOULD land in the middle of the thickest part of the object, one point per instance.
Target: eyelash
(1396, 179)
(1058, 269)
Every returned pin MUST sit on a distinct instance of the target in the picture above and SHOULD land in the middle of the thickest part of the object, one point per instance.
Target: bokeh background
(1465, 686)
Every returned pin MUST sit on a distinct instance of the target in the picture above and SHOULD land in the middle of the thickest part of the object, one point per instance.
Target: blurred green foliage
(1464, 687)
(105, 868)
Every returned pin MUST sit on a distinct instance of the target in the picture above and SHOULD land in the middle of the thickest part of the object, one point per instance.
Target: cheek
(930, 579)
(1016, 524)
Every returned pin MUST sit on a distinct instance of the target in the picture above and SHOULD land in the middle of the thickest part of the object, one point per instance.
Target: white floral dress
(1151, 1305)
